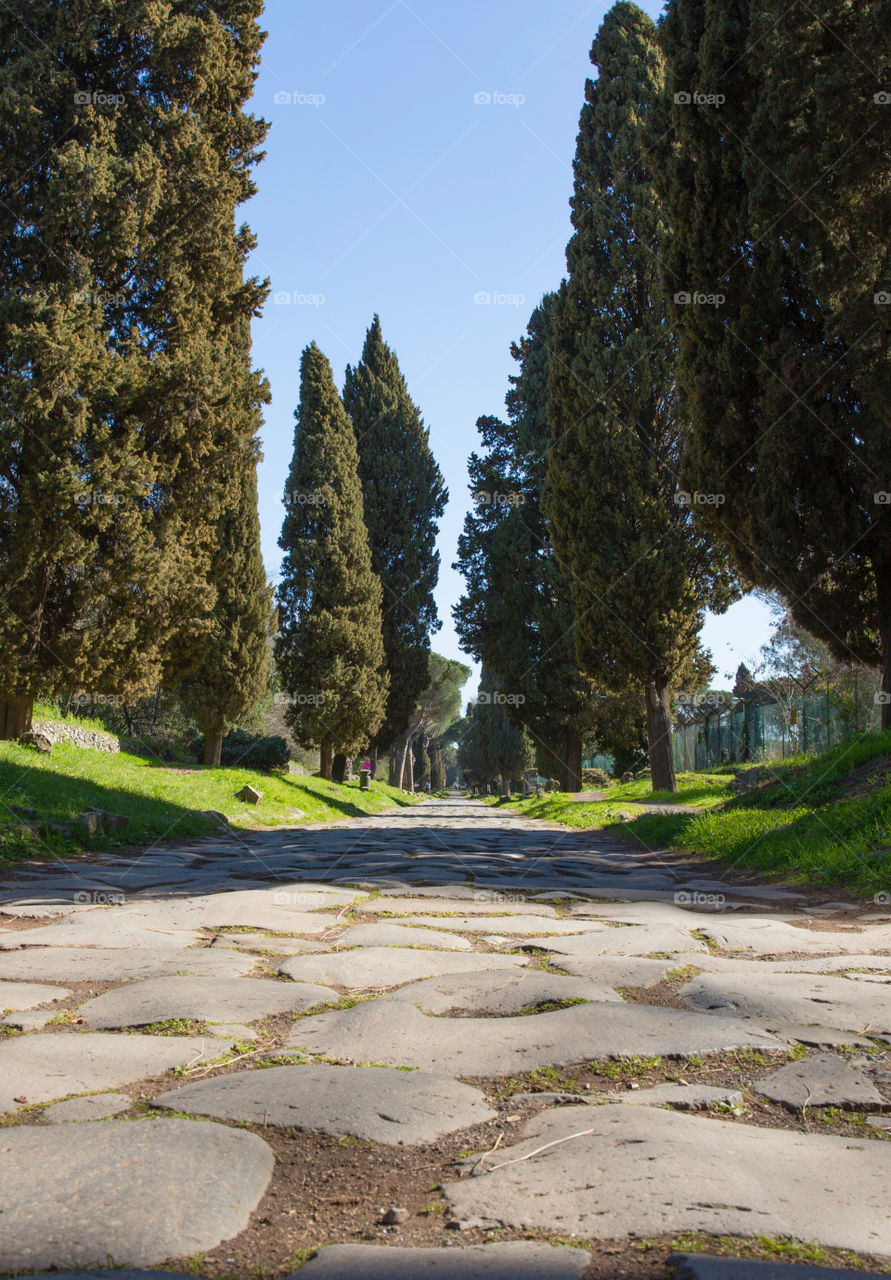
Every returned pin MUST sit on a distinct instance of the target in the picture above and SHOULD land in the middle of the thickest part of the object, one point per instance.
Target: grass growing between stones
(160, 801)
(772, 1249)
(822, 819)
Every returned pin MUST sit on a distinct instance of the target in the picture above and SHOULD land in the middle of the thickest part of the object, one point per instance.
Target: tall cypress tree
(782, 188)
(640, 570)
(516, 613)
(231, 677)
(329, 649)
(404, 498)
(126, 154)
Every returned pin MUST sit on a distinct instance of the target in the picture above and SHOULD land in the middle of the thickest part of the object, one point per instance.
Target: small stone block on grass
(249, 794)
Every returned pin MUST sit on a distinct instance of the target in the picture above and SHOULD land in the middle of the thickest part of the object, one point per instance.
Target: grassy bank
(823, 819)
(162, 802)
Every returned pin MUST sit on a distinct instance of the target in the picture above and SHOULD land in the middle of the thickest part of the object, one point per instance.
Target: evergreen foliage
(127, 152)
(404, 498)
(329, 650)
(640, 568)
(783, 194)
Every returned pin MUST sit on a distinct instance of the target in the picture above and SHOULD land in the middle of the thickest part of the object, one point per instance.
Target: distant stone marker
(249, 794)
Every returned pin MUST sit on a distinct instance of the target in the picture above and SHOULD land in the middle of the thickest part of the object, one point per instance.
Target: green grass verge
(802, 824)
(163, 802)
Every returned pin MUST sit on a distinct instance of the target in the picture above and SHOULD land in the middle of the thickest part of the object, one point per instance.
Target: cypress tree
(640, 570)
(782, 187)
(329, 649)
(126, 154)
(516, 613)
(404, 498)
(232, 676)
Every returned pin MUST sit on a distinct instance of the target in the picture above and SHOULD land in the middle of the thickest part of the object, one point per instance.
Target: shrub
(250, 751)
(595, 778)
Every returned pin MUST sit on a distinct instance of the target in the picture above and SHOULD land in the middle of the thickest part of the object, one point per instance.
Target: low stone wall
(76, 736)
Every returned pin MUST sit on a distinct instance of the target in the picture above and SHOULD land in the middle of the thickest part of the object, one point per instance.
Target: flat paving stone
(15, 996)
(399, 935)
(766, 936)
(824, 1080)
(499, 992)
(381, 967)
(373, 1103)
(476, 903)
(96, 1106)
(127, 1274)
(702, 1266)
(620, 971)
(794, 997)
(29, 1019)
(55, 1064)
(137, 1192)
(523, 925)
(627, 940)
(693, 1097)
(94, 964)
(279, 946)
(396, 1033)
(203, 999)
(612, 1171)
(521, 1260)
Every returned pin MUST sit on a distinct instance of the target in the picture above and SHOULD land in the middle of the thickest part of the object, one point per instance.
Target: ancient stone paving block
(701, 1266)
(499, 992)
(612, 1171)
(55, 1064)
(95, 964)
(521, 1260)
(200, 999)
(95, 1106)
(399, 935)
(373, 967)
(78, 1194)
(795, 997)
(398, 1034)
(824, 1080)
(375, 1103)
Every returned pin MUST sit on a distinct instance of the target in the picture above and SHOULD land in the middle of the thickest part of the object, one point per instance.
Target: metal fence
(755, 730)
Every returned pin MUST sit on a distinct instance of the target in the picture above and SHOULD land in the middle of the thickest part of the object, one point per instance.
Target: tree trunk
(372, 760)
(213, 746)
(326, 755)
(401, 782)
(884, 610)
(15, 717)
(571, 765)
(411, 766)
(659, 737)
(339, 767)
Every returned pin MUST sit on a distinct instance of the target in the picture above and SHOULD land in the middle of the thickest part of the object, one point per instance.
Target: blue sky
(419, 162)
